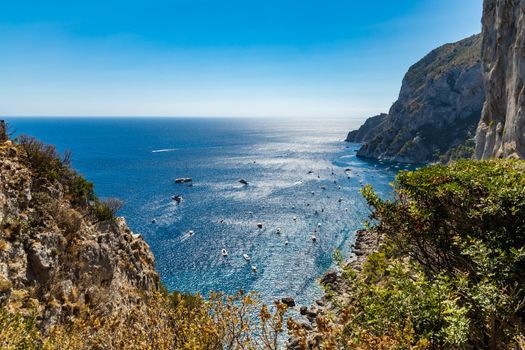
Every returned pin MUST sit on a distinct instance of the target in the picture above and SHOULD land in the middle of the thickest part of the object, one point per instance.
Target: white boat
(278, 230)
(190, 232)
(295, 218)
(319, 224)
(246, 257)
(314, 238)
(285, 242)
(224, 252)
(254, 268)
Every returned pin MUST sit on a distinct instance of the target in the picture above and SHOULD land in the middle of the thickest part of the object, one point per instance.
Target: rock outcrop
(58, 261)
(438, 108)
(369, 130)
(501, 131)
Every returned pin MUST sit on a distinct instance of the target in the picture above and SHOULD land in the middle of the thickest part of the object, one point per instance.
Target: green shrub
(450, 271)
(465, 221)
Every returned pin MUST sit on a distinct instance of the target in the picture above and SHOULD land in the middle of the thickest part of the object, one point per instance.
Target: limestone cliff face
(439, 106)
(501, 131)
(57, 260)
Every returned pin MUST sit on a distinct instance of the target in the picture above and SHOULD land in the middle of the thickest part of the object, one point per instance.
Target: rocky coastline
(438, 108)
(366, 242)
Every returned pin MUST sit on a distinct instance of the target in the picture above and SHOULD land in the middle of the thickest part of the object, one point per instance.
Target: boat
(153, 221)
(181, 180)
(224, 252)
(285, 242)
(190, 232)
(243, 181)
(295, 218)
(259, 225)
(319, 224)
(254, 268)
(246, 257)
(177, 198)
(323, 187)
(278, 231)
(314, 239)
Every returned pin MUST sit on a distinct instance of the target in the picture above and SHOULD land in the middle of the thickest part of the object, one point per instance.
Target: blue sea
(298, 186)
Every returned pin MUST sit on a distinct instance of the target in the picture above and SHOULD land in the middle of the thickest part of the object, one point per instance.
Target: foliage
(175, 321)
(49, 168)
(450, 271)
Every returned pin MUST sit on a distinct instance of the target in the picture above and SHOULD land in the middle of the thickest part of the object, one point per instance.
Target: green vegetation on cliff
(449, 273)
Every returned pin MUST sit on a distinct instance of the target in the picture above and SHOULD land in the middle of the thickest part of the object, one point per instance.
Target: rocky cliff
(56, 258)
(438, 108)
(369, 130)
(501, 131)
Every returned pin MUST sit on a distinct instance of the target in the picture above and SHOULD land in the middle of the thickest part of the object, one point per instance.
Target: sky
(242, 58)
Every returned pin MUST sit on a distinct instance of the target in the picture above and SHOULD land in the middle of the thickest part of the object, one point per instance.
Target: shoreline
(366, 243)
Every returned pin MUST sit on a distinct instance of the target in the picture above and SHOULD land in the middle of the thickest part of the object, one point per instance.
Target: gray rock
(438, 108)
(290, 302)
(501, 130)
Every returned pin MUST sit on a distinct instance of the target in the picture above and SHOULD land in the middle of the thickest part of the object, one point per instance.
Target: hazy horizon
(208, 59)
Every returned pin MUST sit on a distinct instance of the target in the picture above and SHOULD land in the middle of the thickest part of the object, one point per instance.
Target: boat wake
(164, 150)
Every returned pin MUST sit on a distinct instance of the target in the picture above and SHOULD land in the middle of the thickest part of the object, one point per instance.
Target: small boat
(348, 169)
(346, 209)
(285, 242)
(191, 232)
(243, 181)
(339, 187)
(246, 257)
(314, 239)
(254, 268)
(224, 252)
(293, 206)
(323, 187)
(295, 218)
(259, 225)
(278, 230)
(153, 221)
(177, 198)
(319, 224)
(340, 200)
(310, 172)
(181, 180)
(313, 193)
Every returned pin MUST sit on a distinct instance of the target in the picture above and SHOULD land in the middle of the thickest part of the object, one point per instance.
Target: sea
(302, 179)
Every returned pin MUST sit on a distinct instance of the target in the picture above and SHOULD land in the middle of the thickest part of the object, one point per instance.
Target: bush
(451, 268)
(163, 322)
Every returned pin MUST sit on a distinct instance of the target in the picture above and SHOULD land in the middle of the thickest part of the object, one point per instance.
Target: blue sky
(275, 58)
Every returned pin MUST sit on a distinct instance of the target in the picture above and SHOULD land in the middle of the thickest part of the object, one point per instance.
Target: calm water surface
(295, 169)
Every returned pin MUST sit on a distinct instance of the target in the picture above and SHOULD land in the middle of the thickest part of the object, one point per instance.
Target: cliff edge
(60, 253)
(501, 131)
(438, 108)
